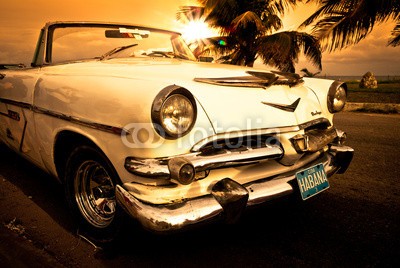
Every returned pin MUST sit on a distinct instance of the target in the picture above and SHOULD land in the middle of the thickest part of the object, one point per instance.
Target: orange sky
(21, 20)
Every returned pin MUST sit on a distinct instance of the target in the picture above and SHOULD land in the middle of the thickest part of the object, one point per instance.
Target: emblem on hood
(288, 108)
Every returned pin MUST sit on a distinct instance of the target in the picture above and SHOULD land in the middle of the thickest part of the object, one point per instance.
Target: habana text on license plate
(312, 181)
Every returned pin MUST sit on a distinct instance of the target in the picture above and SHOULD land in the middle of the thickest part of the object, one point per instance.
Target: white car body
(109, 103)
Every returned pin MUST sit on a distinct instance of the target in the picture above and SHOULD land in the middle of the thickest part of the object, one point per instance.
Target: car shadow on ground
(43, 189)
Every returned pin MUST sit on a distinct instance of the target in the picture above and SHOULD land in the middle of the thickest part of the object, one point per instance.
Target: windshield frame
(43, 53)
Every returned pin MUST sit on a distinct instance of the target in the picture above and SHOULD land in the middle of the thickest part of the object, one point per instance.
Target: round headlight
(173, 112)
(340, 99)
(337, 98)
(177, 115)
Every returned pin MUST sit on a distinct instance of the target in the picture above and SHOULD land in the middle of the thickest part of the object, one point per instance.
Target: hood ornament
(288, 108)
(256, 80)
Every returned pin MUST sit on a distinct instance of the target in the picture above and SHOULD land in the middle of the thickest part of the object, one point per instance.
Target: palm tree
(341, 23)
(248, 30)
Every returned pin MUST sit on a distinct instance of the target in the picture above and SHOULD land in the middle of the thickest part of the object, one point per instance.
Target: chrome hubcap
(94, 194)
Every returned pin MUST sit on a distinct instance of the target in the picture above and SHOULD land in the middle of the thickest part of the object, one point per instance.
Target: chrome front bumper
(227, 198)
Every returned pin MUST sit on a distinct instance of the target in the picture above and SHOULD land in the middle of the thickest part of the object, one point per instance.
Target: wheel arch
(65, 142)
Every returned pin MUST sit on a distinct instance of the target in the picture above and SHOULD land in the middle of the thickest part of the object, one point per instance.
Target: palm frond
(271, 22)
(280, 6)
(283, 49)
(243, 21)
(275, 51)
(307, 73)
(189, 13)
(395, 39)
(340, 23)
(311, 48)
(338, 31)
(327, 7)
(221, 12)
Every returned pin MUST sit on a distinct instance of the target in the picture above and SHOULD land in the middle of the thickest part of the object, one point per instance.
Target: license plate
(312, 181)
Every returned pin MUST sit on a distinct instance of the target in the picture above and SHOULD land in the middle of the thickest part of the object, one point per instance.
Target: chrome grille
(241, 143)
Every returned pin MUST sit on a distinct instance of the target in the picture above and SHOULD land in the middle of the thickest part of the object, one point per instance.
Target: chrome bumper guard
(228, 198)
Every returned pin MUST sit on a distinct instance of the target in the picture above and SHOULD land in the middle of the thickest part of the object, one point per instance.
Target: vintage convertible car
(128, 121)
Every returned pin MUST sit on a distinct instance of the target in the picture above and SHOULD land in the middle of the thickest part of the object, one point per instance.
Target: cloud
(371, 54)
(19, 45)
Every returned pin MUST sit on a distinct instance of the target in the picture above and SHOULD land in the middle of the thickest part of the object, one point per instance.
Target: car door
(16, 109)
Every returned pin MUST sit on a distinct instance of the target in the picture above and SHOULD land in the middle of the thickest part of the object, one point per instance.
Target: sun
(196, 30)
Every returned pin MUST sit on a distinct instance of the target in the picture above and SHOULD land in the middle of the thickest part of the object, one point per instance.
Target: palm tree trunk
(250, 63)
(250, 58)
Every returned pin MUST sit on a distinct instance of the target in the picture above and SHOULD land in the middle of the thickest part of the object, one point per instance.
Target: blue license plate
(312, 181)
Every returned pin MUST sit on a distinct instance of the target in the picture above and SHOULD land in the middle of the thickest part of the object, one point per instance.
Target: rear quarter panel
(16, 95)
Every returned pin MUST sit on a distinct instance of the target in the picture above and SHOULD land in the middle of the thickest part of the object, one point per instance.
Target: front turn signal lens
(181, 170)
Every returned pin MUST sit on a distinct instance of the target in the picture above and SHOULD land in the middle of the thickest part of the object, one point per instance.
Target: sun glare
(196, 30)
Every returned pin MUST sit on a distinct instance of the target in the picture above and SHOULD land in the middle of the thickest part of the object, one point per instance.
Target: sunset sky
(21, 20)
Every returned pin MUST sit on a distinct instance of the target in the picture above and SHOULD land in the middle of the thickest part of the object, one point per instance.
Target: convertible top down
(127, 119)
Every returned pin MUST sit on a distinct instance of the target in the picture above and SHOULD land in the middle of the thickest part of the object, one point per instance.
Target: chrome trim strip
(233, 158)
(171, 217)
(237, 134)
(82, 122)
(314, 122)
(284, 78)
(242, 81)
(23, 105)
(159, 167)
(11, 66)
(76, 120)
(255, 80)
(255, 132)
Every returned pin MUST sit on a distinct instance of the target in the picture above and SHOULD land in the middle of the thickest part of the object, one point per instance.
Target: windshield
(103, 42)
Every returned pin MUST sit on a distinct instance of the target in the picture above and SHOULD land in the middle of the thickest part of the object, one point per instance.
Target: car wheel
(90, 182)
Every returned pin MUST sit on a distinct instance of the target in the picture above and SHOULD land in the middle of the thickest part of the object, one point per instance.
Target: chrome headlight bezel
(337, 97)
(158, 111)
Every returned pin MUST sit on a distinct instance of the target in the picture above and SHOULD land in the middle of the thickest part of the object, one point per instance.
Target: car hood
(229, 108)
